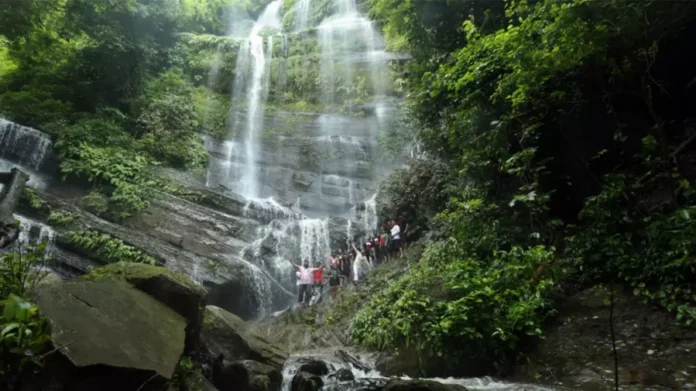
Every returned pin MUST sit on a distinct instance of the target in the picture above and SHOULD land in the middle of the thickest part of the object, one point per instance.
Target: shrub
(450, 303)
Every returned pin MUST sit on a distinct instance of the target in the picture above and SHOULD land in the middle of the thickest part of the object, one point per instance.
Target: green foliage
(24, 336)
(107, 247)
(22, 271)
(649, 245)
(168, 119)
(34, 200)
(450, 303)
(187, 376)
(418, 192)
(6, 63)
(124, 171)
(62, 218)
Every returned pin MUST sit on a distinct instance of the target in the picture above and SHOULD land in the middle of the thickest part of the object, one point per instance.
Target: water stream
(365, 378)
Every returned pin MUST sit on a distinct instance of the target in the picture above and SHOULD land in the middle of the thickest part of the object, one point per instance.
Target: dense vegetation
(557, 134)
(567, 126)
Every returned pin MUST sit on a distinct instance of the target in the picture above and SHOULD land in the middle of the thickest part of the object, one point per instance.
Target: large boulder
(225, 333)
(173, 289)
(248, 375)
(109, 336)
(420, 385)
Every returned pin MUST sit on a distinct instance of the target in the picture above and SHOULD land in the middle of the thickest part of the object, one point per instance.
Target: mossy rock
(172, 289)
(227, 334)
(109, 336)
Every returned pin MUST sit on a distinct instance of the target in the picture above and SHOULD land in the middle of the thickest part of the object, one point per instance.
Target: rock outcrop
(248, 375)
(653, 350)
(109, 336)
(225, 333)
(173, 289)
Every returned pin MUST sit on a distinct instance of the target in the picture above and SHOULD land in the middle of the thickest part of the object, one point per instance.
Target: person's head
(333, 253)
(306, 263)
(340, 251)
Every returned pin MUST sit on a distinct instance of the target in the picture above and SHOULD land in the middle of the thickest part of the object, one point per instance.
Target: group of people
(343, 267)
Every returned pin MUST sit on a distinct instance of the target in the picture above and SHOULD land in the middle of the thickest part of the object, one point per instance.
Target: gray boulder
(173, 289)
(225, 333)
(109, 336)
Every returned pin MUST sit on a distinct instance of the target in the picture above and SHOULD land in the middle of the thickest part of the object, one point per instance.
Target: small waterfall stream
(346, 371)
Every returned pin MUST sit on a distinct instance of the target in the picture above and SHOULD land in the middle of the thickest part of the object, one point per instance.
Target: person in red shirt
(319, 280)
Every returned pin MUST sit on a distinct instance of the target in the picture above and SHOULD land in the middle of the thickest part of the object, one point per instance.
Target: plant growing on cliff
(111, 249)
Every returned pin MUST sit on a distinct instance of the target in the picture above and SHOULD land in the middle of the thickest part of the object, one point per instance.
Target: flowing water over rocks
(342, 370)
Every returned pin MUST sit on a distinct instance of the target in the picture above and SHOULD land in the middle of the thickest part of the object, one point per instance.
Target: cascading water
(328, 168)
(365, 377)
(303, 10)
(26, 148)
(253, 68)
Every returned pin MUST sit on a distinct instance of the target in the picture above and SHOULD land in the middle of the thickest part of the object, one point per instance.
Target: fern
(110, 248)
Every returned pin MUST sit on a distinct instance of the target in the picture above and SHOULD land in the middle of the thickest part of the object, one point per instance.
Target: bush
(24, 333)
(168, 120)
(648, 245)
(450, 303)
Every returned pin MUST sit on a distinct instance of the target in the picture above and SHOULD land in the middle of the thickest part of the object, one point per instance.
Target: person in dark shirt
(334, 276)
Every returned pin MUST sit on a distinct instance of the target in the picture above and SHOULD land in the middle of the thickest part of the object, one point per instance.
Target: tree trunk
(14, 183)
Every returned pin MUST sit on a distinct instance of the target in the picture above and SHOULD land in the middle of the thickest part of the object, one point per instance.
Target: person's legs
(300, 297)
(307, 293)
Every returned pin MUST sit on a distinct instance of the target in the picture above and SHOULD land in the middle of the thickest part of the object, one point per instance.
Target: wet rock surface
(227, 334)
(100, 328)
(305, 381)
(653, 350)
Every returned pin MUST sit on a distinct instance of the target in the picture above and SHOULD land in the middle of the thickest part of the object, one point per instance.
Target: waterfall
(250, 91)
(32, 232)
(303, 9)
(292, 204)
(22, 145)
(370, 220)
(25, 148)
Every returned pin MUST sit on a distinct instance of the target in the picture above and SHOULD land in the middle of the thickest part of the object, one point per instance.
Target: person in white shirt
(359, 265)
(396, 238)
(306, 281)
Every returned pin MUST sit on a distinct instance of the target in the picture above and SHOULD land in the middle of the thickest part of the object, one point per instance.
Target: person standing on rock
(318, 281)
(334, 281)
(306, 281)
(384, 245)
(396, 239)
